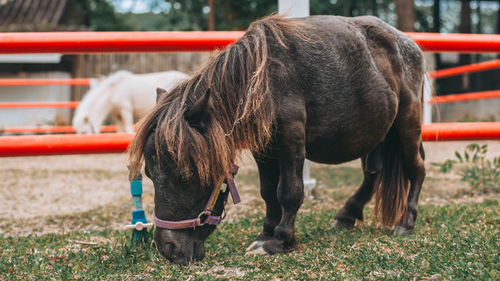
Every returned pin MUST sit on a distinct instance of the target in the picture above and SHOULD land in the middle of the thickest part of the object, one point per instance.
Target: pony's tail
(391, 184)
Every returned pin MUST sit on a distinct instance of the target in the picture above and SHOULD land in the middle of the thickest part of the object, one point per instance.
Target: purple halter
(205, 217)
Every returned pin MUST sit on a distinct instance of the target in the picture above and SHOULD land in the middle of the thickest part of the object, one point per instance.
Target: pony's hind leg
(353, 208)
(413, 152)
(269, 171)
(408, 125)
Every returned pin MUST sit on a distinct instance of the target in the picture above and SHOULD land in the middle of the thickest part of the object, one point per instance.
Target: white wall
(293, 8)
(476, 110)
(35, 116)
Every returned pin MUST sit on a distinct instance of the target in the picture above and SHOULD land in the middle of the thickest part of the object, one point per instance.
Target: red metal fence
(49, 104)
(63, 144)
(44, 81)
(452, 71)
(114, 143)
(116, 42)
(465, 97)
(88, 42)
(190, 41)
(464, 69)
(50, 130)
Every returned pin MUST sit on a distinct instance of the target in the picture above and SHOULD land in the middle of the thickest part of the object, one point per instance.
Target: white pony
(124, 95)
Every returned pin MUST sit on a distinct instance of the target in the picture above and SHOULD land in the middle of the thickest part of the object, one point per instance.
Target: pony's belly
(343, 134)
(341, 147)
(328, 154)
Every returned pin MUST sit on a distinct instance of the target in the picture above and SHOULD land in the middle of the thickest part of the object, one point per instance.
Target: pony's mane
(93, 94)
(242, 110)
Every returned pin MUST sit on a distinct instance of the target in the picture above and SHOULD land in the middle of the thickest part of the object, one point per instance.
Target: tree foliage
(183, 15)
(193, 15)
(99, 15)
(238, 14)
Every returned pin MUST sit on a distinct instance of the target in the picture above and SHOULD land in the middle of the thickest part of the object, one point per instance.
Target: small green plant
(481, 173)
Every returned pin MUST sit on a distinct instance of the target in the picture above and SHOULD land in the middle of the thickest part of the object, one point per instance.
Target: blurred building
(75, 15)
(65, 15)
(32, 16)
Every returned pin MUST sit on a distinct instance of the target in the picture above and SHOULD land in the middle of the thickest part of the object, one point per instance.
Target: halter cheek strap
(205, 217)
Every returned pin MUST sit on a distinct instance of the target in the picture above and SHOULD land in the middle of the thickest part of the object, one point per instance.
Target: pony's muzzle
(177, 247)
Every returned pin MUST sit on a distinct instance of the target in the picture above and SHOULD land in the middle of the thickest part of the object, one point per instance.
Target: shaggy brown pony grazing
(330, 89)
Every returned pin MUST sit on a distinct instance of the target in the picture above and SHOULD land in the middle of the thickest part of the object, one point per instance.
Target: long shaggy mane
(242, 109)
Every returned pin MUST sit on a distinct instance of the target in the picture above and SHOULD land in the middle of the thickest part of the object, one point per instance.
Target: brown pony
(330, 89)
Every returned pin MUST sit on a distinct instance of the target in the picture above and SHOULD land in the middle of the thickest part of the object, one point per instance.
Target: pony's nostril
(169, 248)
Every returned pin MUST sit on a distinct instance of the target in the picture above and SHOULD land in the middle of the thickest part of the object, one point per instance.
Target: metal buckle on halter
(206, 213)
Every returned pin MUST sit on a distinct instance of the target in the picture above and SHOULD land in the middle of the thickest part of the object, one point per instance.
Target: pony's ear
(159, 93)
(197, 115)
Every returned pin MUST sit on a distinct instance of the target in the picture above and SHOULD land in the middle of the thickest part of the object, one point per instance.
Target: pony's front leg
(125, 120)
(290, 191)
(269, 174)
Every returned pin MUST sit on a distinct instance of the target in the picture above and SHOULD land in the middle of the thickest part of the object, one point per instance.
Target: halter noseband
(205, 217)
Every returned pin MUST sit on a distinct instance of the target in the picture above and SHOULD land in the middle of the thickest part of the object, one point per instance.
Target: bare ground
(51, 193)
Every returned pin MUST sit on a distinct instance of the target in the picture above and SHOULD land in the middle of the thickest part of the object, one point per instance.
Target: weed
(482, 174)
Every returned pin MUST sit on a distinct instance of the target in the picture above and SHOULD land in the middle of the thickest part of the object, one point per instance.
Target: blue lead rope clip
(139, 222)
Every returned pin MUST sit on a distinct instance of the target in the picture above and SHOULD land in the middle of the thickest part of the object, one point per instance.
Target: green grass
(455, 241)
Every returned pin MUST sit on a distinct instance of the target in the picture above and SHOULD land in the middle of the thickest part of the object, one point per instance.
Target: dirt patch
(41, 186)
(35, 188)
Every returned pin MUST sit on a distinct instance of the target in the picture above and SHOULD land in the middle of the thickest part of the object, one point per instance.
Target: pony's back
(141, 89)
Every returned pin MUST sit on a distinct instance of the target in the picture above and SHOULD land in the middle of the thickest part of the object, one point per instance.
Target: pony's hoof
(256, 248)
(258, 251)
(340, 224)
(401, 230)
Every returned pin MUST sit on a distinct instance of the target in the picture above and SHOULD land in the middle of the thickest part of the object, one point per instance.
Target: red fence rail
(50, 129)
(61, 104)
(461, 131)
(116, 42)
(480, 66)
(44, 81)
(115, 143)
(465, 97)
(63, 144)
(189, 41)
(457, 42)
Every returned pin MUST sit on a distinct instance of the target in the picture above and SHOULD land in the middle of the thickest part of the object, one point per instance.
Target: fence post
(430, 67)
(427, 107)
(293, 8)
